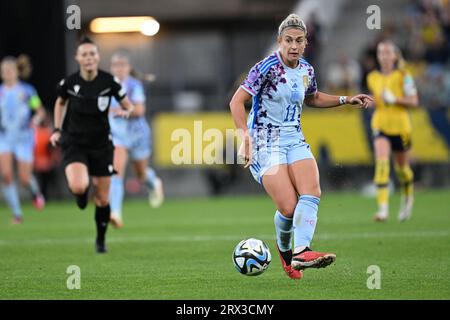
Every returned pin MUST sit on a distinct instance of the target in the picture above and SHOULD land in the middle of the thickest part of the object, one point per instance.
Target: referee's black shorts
(98, 161)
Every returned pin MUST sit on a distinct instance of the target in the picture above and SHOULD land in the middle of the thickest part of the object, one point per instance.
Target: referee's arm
(59, 112)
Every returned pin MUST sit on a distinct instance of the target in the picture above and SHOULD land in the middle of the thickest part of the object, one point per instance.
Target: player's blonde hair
(9, 60)
(292, 21)
(121, 54)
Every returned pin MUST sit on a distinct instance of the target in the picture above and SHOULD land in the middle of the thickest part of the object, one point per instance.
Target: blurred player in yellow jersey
(395, 93)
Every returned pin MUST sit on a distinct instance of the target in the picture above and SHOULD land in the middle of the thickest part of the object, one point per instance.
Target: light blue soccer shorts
(20, 145)
(138, 144)
(285, 148)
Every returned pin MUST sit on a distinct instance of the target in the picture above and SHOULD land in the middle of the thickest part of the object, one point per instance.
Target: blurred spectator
(25, 67)
(434, 88)
(313, 47)
(343, 76)
(368, 63)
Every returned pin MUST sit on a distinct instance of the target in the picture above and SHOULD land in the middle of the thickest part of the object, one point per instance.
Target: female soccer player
(20, 110)
(82, 128)
(132, 138)
(394, 92)
(274, 146)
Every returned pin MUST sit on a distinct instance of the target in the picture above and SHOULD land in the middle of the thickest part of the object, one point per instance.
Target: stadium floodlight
(150, 27)
(146, 25)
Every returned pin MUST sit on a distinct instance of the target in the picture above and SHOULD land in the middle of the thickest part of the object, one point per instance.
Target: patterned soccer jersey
(278, 92)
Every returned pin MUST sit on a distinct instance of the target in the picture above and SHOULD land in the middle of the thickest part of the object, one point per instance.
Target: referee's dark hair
(86, 39)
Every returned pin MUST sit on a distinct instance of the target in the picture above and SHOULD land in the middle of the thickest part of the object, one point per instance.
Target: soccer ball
(251, 257)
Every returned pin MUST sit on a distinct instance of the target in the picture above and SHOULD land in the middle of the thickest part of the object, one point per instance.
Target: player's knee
(78, 188)
(317, 191)
(287, 208)
(7, 178)
(24, 180)
(313, 190)
(142, 176)
(404, 173)
(101, 201)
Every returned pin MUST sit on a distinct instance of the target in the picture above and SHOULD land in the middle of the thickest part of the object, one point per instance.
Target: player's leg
(77, 176)
(147, 176)
(102, 210)
(279, 187)
(117, 189)
(29, 181)
(101, 168)
(405, 176)
(382, 147)
(9, 187)
(23, 151)
(140, 153)
(304, 175)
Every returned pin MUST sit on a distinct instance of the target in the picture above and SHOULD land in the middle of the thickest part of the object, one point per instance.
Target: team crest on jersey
(295, 96)
(103, 103)
(305, 81)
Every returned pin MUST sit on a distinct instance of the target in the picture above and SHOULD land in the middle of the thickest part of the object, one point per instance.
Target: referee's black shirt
(86, 121)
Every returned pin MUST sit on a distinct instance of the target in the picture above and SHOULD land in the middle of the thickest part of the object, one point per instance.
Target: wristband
(342, 100)
(56, 130)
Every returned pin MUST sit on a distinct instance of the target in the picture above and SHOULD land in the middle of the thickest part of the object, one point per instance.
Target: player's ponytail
(400, 63)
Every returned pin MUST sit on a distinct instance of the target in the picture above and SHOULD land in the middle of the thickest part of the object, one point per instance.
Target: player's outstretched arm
(39, 115)
(323, 100)
(411, 101)
(127, 108)
(139, 110)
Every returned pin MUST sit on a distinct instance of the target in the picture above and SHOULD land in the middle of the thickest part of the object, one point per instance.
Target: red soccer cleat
(291, 273)
(39, 202)
(16, 220)
(312, 259)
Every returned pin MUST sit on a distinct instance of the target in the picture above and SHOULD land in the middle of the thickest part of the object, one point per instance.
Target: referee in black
(82, 129)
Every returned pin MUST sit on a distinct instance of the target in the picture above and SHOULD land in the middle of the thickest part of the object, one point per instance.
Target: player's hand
(36, 120)
(121, 113)
(54, 138)
(361, 100)
(245, 150)
(389, 97)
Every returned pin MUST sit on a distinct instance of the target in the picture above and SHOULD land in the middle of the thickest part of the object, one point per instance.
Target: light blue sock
(34, 186)
(12, 198)
(150, 178)
(116, 192)
(283, 228)
(305, 219)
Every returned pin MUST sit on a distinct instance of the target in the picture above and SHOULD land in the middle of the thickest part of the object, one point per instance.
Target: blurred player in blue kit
(20, 110)
(132, 139)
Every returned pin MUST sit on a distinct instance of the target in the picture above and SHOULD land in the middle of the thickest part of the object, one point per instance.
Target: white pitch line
(187, 238)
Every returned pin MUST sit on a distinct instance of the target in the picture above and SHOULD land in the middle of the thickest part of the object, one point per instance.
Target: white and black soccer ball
(251, 257)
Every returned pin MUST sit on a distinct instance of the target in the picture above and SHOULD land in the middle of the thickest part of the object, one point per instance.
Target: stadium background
(190, 68)
(203, 49)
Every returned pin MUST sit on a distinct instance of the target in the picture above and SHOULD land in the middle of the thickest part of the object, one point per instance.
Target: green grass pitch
(183, 251)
